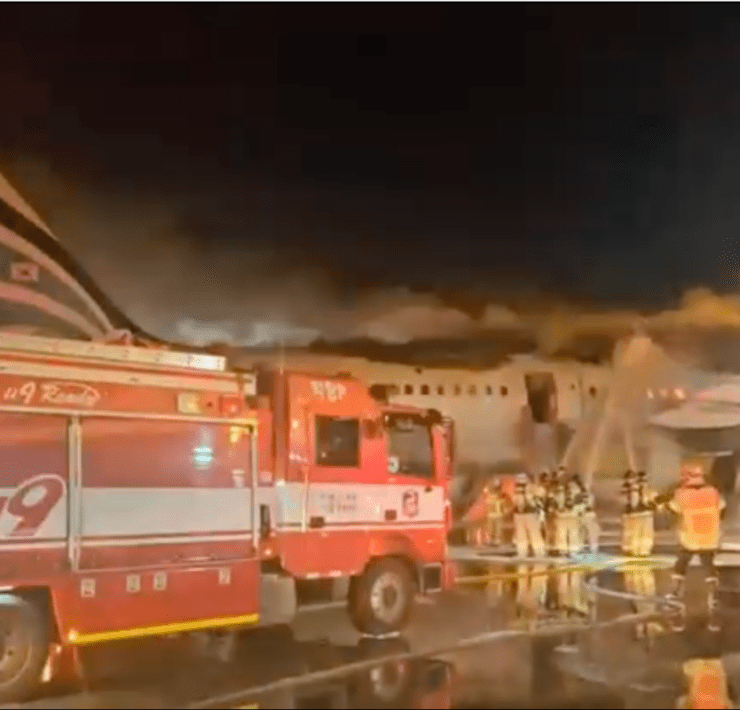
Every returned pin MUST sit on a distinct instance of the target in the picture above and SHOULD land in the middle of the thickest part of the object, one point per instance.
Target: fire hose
(227, 699)
(660, 604)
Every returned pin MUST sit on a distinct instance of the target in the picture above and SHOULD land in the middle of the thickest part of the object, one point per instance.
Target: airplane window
(440, 389)
(489, 389)
(504, 390)
(425, 389)
(472, 390)
(408, 389)
(458, 389)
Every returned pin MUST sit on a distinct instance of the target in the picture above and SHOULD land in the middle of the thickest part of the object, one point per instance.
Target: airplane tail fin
(43, 289)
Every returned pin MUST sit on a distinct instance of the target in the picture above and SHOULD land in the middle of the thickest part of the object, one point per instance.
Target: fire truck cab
(148, 492)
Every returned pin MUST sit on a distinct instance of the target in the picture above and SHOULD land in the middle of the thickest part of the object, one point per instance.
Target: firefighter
(589, 522)
(629, 492)
(527, 532)
(542, 484)
(699, 506)
(540, 493)
(564, 520)
(475, 526)
(494, 512)
(644, 517)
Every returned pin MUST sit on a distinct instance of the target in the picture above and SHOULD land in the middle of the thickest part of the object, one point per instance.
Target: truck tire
(380, 601)
(24, 648)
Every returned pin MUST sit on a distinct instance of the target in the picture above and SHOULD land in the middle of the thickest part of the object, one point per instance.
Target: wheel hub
(14, 647)
(386, 598)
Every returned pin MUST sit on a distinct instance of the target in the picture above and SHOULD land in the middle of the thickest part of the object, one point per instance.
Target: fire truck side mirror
(434, 417)
(371, 428)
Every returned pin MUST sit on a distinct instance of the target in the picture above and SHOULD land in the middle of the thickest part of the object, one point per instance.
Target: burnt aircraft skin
(43, 290)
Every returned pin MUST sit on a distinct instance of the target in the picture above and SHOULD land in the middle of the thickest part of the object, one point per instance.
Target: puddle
(629, 665)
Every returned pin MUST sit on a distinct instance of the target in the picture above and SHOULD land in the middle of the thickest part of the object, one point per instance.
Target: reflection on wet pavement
(643, 664)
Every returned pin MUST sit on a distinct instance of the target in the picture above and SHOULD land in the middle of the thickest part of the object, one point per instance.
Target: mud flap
(278, 600)
(430, 578)
(339, 588)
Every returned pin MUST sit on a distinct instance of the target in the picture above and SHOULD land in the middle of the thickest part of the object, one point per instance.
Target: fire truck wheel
(380, 601)
(24, 647)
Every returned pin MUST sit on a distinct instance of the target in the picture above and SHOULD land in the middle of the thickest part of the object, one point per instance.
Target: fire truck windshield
(410, 443)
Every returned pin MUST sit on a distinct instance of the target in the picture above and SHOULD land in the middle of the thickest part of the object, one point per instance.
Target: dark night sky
(477, 151)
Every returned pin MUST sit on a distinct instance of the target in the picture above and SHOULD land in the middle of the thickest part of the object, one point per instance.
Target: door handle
(265, 525)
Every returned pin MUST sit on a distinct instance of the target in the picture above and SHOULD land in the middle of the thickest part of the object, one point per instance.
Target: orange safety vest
(699, 509)
(494, 505)
(707, 684)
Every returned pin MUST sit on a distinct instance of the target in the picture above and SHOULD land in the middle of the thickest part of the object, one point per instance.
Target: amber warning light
(188, 403)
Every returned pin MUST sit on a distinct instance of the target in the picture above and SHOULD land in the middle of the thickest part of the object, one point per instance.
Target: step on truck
(146, 491)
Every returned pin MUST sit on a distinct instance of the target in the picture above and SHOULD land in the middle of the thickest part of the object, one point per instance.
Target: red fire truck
(147, 492)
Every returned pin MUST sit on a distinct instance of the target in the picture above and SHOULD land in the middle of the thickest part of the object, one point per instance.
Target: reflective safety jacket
(540, 492)
(648, 497)
(494, 504)
(524, 500)
(641, 499)
(698, 508)
(629, 495)
(707, 684)
(577, 497)
(562, 503)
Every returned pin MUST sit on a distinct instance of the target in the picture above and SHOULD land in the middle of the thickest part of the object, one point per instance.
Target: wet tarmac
(495, 643)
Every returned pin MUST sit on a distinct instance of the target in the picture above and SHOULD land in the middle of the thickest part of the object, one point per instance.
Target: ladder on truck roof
(112, 353)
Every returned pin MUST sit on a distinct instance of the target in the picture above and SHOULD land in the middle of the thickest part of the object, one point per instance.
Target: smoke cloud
(175, 284)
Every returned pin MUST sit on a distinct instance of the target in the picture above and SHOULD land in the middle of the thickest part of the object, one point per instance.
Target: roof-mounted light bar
(112, 353)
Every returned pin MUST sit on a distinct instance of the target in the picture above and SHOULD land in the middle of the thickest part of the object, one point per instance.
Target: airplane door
(542, 397)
